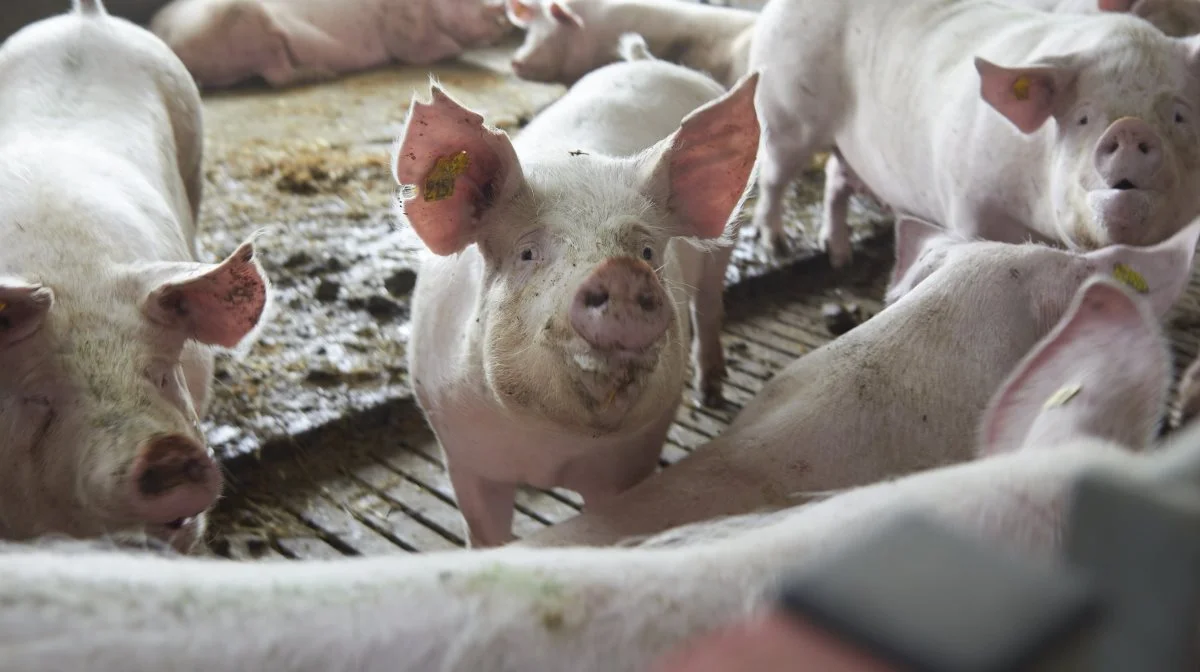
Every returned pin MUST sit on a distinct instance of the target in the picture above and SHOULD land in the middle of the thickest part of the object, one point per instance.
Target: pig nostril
(595, 299)
(1124, 184)
(1112, 147)
(157, 480)
(647, 302)
(1143, 148)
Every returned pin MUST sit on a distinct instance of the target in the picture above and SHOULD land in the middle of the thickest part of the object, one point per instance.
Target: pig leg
(708, 312)
(486, 506)
(835, 230)
(1189, 393)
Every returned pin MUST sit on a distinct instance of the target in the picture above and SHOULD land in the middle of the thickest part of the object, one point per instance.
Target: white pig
(550, 325)
(224, 42)
(593, 610)
(105, 314)
(1177, 18)
(1008, 122)
(566, 40)
(900, 393)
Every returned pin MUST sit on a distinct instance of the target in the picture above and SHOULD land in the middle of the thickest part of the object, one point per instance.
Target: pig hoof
(712, 393)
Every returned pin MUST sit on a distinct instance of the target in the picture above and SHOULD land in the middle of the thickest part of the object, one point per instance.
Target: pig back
(619, 110)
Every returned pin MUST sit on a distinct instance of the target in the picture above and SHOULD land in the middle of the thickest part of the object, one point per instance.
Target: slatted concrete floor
(376, 484)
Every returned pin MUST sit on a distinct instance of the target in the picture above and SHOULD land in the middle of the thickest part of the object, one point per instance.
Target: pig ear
(705, 166)
(1102, 373)
(1025, 96)
(217, 304)
(23, 309)
(1120, 6)
(452, 168)
(563, 14)
(1160, 272)
(911, 236)
(520, 12)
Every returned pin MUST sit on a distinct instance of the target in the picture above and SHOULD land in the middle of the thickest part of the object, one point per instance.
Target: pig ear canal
(707, 164)
(1103, 372)
(1027, 97)
(1160, 273)
(520, 12)
(565, 16)
(452, 168)
(23, 309)
(216, 304)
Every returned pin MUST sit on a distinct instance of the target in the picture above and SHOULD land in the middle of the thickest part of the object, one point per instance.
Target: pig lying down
(224, 42)
(900, 393)
(550, 324)
(566, 40)
(1075, 129)
(106, 316)
(606, 610)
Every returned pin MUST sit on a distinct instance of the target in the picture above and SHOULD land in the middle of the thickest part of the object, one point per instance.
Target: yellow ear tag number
(1062, 396)
(439, 184)
(1131, 277)
(1020, 87)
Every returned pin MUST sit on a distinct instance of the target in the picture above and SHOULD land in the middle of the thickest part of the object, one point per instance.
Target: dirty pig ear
(704, 167)
(1115, 5)
(1102, 372)
(23, 309)
(1160, 272)
(520, 12)
(1026, 96)
(452, 168)
(563, 14)
(217, 304)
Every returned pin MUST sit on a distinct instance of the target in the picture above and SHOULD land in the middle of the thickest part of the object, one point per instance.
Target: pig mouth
(1121, 210)
(181, 534)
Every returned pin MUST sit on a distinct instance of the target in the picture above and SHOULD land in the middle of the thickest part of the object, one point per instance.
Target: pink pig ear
(708, 162)
(1103, 372)
(218, 304)
(23, 309)
(454, 168)
(1027, 97)
(563, 14)
(1160, 272)
(1116, 5)
(520, 12)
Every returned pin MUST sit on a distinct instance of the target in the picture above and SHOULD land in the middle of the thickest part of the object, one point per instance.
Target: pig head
(102, 385)
(900, 393)
(574, 320)
(1122, 123)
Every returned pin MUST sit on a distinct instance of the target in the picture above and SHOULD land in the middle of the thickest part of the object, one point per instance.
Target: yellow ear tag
(1020, 87)
(1062, 396)
(1131, 277)
(3, 305)
(439, 184)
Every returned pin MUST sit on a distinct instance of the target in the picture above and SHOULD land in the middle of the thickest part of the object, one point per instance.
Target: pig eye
(1083, 120)
(1179, 117)
(647, 253)
(527, 255)
(531, 253)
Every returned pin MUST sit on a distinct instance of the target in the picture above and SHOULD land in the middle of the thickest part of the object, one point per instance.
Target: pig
(1189, 394)
(1074, 130)
(288, 42)
(902, 392)
(613, 610)
(550, 331)
(107, 318)
(1175, 18)
(566, 40)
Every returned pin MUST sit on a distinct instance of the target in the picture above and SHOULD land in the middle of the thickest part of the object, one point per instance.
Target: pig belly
(493, 443)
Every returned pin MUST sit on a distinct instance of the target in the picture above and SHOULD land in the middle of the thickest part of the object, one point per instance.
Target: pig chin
(610, 385)
(1119, 216)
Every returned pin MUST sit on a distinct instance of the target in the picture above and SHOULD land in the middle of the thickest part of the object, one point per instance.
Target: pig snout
(1129, 155)
(173, 478)
(621, 306)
